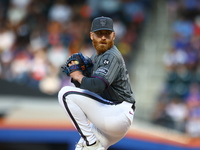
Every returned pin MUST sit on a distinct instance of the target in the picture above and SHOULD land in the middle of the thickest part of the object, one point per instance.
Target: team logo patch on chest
(103, 71)
(106, 62)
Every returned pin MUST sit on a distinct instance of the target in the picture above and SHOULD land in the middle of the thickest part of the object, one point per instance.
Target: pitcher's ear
(91, 35)
(114, 35)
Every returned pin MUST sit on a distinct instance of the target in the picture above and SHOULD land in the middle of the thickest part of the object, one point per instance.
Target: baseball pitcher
(101, 106)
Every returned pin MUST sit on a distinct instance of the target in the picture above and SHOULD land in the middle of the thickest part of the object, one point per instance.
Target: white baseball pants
(96, 118)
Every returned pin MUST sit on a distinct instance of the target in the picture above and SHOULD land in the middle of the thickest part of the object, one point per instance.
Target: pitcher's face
(102, 40)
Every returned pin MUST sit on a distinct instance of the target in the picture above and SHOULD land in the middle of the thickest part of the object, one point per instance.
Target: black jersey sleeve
(95, 85)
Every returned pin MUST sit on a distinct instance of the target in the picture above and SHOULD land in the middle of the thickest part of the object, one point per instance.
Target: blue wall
(71, 137)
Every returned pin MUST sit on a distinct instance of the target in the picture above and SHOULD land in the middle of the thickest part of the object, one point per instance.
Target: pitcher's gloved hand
(80, 63)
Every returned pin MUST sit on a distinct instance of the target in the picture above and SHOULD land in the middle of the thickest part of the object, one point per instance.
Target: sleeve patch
(103, 71)
(106, 61)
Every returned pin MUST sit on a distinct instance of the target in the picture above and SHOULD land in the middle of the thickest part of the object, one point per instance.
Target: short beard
(102, 48)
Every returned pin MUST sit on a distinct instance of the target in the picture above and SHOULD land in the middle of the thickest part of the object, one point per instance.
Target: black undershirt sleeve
(95, 85)
(76, 83)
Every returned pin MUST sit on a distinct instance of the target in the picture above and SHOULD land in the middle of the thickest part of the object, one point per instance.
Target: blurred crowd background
(178, 104)
(37, 37)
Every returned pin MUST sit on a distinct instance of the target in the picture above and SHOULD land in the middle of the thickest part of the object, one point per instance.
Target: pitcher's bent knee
(61, 93)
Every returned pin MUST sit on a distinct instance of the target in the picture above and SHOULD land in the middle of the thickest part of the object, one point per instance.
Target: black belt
(133, 106)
